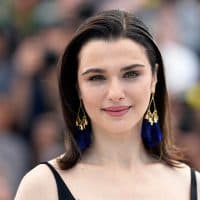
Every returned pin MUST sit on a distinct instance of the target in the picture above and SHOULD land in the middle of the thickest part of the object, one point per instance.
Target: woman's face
(115, 83)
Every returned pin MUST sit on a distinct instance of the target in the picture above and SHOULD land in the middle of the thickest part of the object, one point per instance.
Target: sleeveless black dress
(65, 194)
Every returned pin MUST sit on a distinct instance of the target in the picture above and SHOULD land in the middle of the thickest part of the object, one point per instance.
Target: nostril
(115, 91)
(116, 97)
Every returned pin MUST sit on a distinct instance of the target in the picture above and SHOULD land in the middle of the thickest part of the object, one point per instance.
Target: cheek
(91, 98)
(142, 98)
(141, 95)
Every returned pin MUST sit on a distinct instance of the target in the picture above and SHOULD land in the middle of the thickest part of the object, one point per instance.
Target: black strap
(193, 185)
(63, 191)
(65, 194)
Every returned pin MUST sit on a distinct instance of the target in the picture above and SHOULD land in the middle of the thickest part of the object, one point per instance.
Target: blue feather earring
(151, 132)
(83, 132)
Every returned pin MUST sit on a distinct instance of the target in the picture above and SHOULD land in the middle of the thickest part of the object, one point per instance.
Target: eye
(131, 74)
(96, 78)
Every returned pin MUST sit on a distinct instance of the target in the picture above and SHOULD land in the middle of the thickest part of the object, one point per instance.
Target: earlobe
(154, 81)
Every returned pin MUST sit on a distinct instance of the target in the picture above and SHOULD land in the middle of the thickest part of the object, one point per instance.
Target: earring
(152, 117)
(81, 123)
(83, 132)
(151, 132)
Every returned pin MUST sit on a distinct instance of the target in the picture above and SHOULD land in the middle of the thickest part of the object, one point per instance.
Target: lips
(117, 110)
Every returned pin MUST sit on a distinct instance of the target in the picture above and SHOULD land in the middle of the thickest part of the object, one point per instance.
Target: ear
(154, 79)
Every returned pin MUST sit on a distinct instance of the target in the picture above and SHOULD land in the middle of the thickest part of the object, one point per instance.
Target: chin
(120, 129)
(116, 127)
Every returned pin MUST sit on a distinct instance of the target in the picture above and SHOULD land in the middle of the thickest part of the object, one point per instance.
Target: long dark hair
(111, 25)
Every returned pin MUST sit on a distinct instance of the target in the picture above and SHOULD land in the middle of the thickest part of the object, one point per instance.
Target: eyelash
(96, 78)
(127, 75)
(131, 74)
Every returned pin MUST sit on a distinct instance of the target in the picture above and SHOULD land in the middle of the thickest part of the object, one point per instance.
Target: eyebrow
(129, 67)
(98, 70)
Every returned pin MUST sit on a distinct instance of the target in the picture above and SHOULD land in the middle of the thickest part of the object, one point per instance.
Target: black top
(65, 194)
(63, 191)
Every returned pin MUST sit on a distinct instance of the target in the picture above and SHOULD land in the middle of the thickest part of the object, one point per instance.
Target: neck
(122, 150)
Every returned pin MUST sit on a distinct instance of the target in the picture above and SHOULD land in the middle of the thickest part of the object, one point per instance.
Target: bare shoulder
(184, 172)
(38, 183)
(183, 168)
(179, 174)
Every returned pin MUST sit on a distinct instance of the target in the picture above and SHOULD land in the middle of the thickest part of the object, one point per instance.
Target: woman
(114, 101)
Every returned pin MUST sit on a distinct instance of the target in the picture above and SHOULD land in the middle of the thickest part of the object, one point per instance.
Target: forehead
(118, 52)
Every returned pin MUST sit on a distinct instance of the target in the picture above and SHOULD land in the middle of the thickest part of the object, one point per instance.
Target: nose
(116, 91)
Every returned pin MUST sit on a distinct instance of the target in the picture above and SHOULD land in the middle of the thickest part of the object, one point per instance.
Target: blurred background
(33, 34)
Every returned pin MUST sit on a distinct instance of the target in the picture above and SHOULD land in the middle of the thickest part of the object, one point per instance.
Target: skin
(107, 170)
(124, 81)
